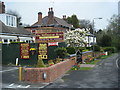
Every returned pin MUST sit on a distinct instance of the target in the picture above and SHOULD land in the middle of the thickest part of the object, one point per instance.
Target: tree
(86, 24)
(106, 41)
(76, 38)
(113, 30)
(17, 15)
(73, 20)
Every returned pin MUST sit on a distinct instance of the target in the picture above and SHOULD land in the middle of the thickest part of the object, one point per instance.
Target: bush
(40, 63)
(109, 49)
(89, 48)
(81, 48)
(70, 50)
(50, 62)
(61, 52)
(96, 48)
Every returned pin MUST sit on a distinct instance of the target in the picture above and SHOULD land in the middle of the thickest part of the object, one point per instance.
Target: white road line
(11, 84)
(27, 86)
(9, 70)
(19, 86)
(117, 63)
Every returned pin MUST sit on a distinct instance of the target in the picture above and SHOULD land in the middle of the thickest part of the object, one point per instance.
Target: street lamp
(94, 33)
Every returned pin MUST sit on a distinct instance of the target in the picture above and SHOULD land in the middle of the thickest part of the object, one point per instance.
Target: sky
(84, 9)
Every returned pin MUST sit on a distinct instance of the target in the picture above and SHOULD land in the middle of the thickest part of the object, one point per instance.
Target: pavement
(87, 65)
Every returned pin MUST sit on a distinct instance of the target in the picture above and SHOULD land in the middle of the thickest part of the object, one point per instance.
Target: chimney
(50, 16)
(2, 7)
(64, 17)
(39, 18)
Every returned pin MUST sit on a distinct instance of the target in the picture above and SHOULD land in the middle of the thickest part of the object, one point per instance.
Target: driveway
(103, 75)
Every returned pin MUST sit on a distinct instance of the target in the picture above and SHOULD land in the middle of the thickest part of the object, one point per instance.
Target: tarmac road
(106, 74)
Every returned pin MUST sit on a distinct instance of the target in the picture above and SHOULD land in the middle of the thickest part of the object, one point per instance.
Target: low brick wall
(53, 72)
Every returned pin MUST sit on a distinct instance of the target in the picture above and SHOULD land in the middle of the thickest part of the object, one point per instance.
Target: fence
(12, 51)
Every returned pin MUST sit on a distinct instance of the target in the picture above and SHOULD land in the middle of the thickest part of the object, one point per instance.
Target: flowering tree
(76, 38)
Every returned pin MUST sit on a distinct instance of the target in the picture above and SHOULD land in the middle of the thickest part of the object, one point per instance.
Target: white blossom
(76, 38)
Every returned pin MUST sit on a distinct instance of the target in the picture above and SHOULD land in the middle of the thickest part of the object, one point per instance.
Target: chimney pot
(51, 9)
(39, 18)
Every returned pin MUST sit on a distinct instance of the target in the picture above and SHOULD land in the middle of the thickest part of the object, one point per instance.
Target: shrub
(61, 52)
(96, 48)
(70, 50)
(81, 48)
(50, 62)
(109, 49)
(40, 63)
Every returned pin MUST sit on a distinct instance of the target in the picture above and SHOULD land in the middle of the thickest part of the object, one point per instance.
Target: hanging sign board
(53, 44)
(24, 50)
(49, 37)
(43, 51)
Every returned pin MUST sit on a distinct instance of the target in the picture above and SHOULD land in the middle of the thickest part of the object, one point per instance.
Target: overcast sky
(84, 9)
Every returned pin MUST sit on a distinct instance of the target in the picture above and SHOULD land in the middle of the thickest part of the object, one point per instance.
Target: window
(5, 40)
(7, 20)
(10, 40)
(12, 21)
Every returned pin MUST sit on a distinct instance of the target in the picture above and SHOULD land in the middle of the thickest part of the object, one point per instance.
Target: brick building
(49, 24)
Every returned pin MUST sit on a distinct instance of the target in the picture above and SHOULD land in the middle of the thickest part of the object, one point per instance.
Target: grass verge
(85, 68)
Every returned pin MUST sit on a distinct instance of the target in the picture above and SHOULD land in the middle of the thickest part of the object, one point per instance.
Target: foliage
(96, 48)
(73, 20)
(17, 42)
(50, 62)
(93, 62)
(70, 50)
(40, 63)
(85, 68)
(61, 52)
(86, 24)
(76, 38)
(109, 49)
(106, 40)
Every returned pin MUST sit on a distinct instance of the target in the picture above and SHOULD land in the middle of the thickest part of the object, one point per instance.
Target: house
(90, 40)
(49, 24)
(9, 32)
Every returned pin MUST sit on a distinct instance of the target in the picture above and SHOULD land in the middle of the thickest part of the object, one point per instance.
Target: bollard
(16, 61)
(20, 73)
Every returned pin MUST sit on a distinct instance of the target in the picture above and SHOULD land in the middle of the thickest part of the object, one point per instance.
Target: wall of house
(8, 39)
(53, 72)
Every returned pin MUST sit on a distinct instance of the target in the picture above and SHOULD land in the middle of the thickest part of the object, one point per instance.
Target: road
(10, 80)
(103, 75)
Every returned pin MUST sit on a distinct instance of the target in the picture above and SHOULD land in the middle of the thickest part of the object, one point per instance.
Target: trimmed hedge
(109, 49)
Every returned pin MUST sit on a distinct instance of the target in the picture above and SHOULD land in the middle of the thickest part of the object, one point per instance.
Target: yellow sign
(49, 37)
(42, 53)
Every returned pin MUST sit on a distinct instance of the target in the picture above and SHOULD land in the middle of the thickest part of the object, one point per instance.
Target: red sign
(50, 37)
(24, 50)
(53, 44)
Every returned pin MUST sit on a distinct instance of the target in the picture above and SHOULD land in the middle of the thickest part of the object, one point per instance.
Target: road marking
(19, 86)
(11, 84)
(9, 70)
(117, 63)
(27, 86)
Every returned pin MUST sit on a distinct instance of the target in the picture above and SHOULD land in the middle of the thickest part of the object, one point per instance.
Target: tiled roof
(13, 30)
(57, 22)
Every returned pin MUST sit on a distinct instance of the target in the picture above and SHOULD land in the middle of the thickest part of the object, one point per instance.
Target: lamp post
(94, 33)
